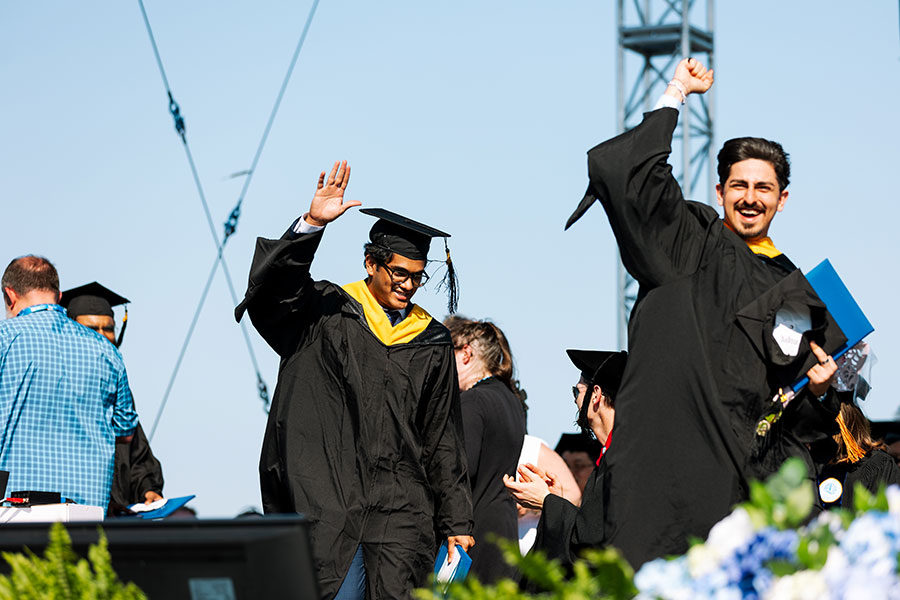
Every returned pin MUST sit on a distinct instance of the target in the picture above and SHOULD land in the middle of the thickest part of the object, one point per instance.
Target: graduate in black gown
(493, 414)
(137, 476)
(565, 529)
(364, 435)
(852, 456)
(699, 410)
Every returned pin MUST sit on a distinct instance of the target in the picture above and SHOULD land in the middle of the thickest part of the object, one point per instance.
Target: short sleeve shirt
(64, 398)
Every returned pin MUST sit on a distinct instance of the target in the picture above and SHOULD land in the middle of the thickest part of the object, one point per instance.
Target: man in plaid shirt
(64, 395)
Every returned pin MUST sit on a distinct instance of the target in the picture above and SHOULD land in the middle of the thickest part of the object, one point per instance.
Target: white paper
(141, 507)
(449, 569)
(790, 325)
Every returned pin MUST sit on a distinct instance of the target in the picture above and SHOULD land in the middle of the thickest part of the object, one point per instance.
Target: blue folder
(456, 572)
(842, 306)
(171, 505)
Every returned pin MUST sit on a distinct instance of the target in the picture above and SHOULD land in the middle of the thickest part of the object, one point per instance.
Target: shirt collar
(40, 307)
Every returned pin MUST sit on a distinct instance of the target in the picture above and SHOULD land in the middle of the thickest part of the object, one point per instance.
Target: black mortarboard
(600, 368)
(412, 240)
(579, 442)
(94, 299)
(401, 235)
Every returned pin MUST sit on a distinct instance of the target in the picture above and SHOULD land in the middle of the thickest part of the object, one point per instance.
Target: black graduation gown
(363, 438)
(565, 529)
(702, 366)
(875, 469)
(494, 425)
(137, 471)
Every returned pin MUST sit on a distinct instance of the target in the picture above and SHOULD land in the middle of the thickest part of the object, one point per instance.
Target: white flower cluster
(743, 561)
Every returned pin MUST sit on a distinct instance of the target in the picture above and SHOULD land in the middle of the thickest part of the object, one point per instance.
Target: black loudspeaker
(195, 559)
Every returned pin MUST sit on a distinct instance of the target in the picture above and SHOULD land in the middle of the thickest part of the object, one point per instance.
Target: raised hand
(822, 374)
(328, 203)
(691, 73)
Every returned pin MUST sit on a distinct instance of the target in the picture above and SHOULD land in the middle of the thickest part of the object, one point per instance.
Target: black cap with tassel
(412, 240)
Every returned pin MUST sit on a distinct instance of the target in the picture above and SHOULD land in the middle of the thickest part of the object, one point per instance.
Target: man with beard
(565, 529)
(705, 402)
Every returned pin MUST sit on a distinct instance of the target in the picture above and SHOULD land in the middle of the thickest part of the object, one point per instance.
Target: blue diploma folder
(445, 573)
(171, 505)
(842, 306)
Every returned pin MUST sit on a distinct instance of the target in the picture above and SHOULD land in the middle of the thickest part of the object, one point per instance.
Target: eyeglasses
(399, 276)
(575, 392)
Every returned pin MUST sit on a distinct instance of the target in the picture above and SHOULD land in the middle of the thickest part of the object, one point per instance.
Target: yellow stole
(407, 329)
(764, 247)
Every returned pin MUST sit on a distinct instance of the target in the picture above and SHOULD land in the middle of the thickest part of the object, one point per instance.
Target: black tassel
(122, 331)
(450, 282)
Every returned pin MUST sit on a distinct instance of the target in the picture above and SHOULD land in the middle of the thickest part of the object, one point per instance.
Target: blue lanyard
(39, 308)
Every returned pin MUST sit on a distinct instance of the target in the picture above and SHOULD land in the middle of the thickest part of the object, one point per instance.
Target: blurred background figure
(535, 451)
(581, 453)
(853, 455)
(493, 413)
(138, 474)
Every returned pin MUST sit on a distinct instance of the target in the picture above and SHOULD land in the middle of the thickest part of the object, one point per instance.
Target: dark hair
(738, 149)
(379, 254)
(607, 396)
(28, 273)
(855, 431)
(490, 346)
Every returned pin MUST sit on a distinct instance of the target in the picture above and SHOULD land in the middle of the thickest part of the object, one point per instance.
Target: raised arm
(630, 176)
(280, 288)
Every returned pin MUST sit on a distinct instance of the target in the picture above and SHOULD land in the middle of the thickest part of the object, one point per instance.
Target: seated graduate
(565, 529)
(138, 474)
(493, 415)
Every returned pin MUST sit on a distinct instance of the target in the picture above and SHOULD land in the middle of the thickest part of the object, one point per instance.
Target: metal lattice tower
(653, 35)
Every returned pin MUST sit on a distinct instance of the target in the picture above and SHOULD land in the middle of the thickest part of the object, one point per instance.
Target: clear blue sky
(471, 116)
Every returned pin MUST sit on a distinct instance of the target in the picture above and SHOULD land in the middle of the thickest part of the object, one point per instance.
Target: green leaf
(780, 568)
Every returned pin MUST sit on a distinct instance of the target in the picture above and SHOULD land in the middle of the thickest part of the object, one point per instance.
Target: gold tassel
(854, 452)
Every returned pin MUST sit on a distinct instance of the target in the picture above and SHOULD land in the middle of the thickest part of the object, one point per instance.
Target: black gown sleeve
(659, 237)
(146, 472)
(444, 448)
(565, 530)
(281, 291)
(555, 530)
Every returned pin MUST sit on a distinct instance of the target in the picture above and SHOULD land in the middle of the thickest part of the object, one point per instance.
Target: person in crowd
(493, 415)
(705, 374)
(137, 476)
(566, 528)
(580, 452)
(64, 394)
(855, 458)
(364, 436)
(536, 451)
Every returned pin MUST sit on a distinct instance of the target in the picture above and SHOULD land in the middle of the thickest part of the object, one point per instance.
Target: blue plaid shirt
(64, 398)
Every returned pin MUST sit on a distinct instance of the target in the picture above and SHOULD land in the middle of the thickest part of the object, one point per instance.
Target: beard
(582, 420)
(750, 231)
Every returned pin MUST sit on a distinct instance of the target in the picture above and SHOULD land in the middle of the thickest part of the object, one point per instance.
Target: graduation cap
(600, 368)
(94, 299)
(579, 442)
(411, 239)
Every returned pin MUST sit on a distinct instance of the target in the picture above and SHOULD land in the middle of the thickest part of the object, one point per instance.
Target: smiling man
(364, 435)
(700, 410)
